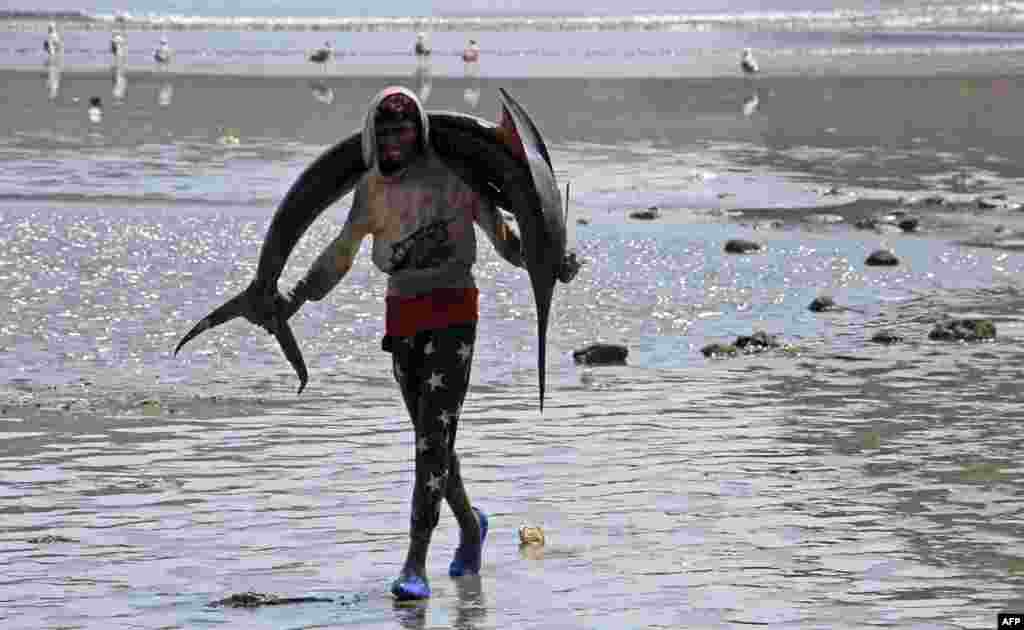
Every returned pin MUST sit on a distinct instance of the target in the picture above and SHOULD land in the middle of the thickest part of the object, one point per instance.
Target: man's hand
(570, 267)
(273, 310)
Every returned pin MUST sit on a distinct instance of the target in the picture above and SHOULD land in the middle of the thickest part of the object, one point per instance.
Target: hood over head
(405, 104)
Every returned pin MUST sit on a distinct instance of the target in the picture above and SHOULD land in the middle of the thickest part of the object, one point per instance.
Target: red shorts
(406, 316)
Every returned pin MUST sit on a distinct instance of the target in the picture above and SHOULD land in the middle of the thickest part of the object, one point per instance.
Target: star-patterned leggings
(432, 368)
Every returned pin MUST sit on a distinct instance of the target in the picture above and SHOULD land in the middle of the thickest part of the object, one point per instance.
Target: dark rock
(934, 200)
(741, 246)
(908, 224)
(50, 539)
(757, 342)
(601, 354)
(963, 330)
(582, 221)
(897, 219)
(825, 219)
(886, 337)
(254, 600)
(719, 349)
(823, 303)
(882, 258)
(646, 215)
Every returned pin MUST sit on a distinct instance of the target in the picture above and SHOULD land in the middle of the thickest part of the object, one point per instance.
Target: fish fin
(290, 347)
(255, 306)
(235, 307)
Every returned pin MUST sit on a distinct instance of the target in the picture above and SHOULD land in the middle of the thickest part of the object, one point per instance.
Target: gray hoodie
(421, 220)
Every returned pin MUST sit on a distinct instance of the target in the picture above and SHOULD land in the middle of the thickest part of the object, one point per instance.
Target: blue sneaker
(411, 587)
(467, 561)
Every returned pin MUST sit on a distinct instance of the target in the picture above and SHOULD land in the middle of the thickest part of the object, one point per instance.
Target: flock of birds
(54, 47)
(163, 56)
(471, 54)
(323, 55)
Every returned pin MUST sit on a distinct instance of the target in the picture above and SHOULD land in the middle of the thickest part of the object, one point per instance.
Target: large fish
(509, 164)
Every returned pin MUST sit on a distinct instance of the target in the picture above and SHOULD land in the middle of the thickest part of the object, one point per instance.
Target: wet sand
(841, 484)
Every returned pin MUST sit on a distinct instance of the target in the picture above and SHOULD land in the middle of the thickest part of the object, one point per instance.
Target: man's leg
(435, 379)
(406, 357)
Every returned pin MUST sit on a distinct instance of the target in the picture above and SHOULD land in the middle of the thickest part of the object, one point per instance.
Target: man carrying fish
(421, 216)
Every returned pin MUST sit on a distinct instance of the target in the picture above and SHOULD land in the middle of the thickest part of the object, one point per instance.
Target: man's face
(397, 144)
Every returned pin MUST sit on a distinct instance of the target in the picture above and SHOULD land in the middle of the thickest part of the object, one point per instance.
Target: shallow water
(792, 489)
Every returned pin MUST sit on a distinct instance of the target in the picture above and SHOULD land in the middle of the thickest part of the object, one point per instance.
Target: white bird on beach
(162, 55)
(421, 48)
(472, 52)
(322, 55)
(117, 47)
(747, 62)
(52, 44)
(95, 110)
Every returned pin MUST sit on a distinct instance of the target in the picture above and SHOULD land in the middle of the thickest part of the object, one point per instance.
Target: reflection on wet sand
(750, 104)
(53, 80)
(164, 95)
(120, 83)
(472, 606)
(322, 92)
(423, 78)
(472, 92)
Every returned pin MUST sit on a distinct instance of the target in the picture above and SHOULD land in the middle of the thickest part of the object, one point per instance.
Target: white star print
(445, 417)
(422, 446)
(436, 380)
(464, 351)
(429, 349)
(434, 483)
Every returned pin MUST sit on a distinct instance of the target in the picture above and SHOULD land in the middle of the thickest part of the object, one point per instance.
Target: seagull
(472, 52)
(52, 44)
(422, 50)
(322, 55)
(747, 62)
(117, 46)
(95, 109)
(162, 55)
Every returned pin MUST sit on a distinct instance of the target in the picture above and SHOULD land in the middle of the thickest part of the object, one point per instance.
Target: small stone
(741, 246)
(582, 221)
(719, 350)
(757, 342)
(646, 215)
(963, 330)
(886, 337)
(882, 258)
(601, 354)
(822, 303)
(908, 224)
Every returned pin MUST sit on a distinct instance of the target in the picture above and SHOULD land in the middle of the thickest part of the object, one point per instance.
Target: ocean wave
(1001, 15)
(150, 198)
